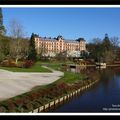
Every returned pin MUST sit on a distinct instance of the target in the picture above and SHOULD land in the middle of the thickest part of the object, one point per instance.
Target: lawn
(70, 77)
(36, 68)
(56, 65)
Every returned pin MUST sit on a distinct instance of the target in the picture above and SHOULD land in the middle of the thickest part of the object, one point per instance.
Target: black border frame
(59, 2)
(55, 2)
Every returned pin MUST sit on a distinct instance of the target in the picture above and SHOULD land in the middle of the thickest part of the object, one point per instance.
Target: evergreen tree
(108, 55)
(32, 51)
(106, 43)
(2, 28)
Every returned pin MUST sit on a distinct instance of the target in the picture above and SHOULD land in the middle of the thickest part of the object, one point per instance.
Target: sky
(71, 23)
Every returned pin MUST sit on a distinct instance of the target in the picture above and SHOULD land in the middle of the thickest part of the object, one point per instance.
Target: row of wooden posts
(61, 100)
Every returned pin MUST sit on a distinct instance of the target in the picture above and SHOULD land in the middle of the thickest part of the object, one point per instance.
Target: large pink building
(59, 44)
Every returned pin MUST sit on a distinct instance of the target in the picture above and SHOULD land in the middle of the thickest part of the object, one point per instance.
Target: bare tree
(115, 41)
(18, 47)
(16, 29)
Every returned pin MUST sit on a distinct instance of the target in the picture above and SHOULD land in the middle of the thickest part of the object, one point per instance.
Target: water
(104, 96)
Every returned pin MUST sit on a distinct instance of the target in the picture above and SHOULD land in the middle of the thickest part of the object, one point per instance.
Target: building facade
(51, 46)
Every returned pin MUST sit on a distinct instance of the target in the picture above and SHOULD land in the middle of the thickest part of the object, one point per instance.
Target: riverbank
(61, 100)
(40, 95)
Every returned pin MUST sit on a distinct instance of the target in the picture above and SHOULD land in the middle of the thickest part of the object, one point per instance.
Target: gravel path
(15, 83)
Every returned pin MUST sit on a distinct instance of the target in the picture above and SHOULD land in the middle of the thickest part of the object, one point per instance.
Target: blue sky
(71, 23)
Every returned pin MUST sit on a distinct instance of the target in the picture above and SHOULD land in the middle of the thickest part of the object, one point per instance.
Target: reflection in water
(102, 97)
(100, 67)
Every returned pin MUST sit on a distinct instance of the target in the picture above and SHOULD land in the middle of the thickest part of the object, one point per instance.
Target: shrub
(28, 63)
(12, 63)
(36, 104)
(11, 106)
(20, 109)
(48, 94)
(8, 63)
(19, 102)
(20, 65)
(34, 95)
(29, 106)
(27, 98)
(2, 56)
(3, 109)
(5, 63)
(42, 101)
(55, 92)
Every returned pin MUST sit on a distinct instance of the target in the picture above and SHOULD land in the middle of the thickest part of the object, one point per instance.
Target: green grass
(36, 68)
(70, 77)
(53, 65)
(56, 65)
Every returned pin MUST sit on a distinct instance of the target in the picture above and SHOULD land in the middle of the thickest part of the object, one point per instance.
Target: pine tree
(106, 43)
(2, 28)
(32, 51)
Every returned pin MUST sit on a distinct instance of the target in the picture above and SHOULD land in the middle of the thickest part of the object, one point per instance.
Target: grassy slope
(36, 68)
(70, 77)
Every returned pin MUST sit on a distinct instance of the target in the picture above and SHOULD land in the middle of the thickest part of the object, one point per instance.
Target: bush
(36, 104)
(26, 99)
(20, 64)
(2, 109)
(2, 56)
(28, 63)
(20, 109)
(29, 106)
(8, 63)
(19, 102)
(11, 106)
(33, 96)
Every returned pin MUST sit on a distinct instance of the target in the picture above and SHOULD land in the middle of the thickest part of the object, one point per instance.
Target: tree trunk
(16, 60)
